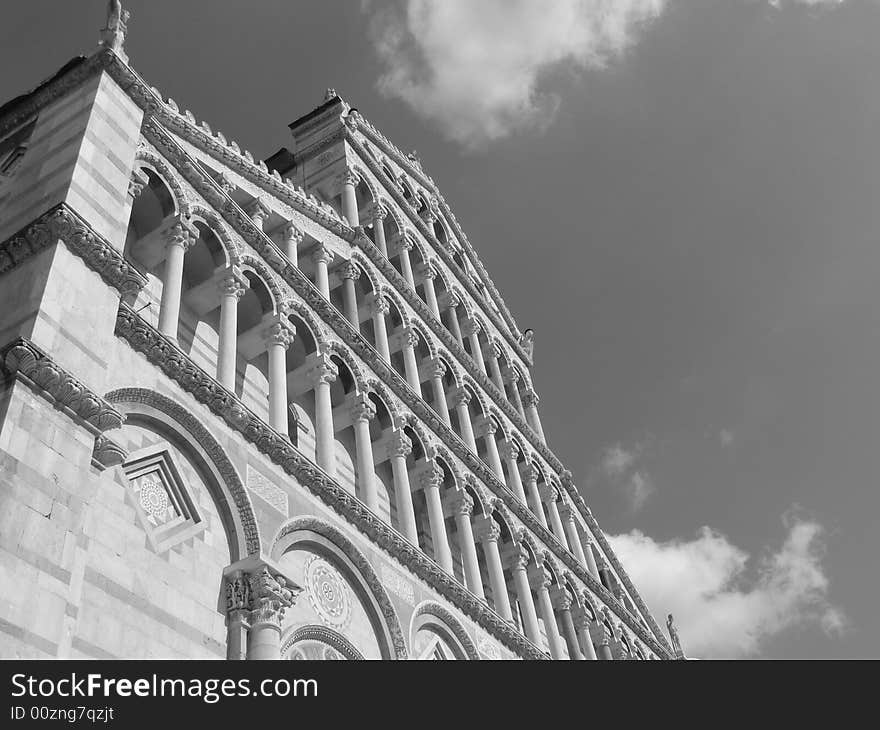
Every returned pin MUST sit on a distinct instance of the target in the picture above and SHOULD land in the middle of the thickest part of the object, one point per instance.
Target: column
(437, 371)
(530, 404)
(379, 307)
(587, 545)
(258, 597)
(492, 353)
(404, 246)
(540, 582)
(488, 532)
(524, 596)
(349, 181)
(566, 513)
(428, 273)
(399, 447)
(431, 479)
(460, 399)
(379, 214)
(601, 641)
(410, 366)
(322, 374)
(291, 237)
(259, 212)
(472, 332)
(510, 454)
(279, 337)
(451, 303)
(548, 497)
(530, 476)
(487, 429)
(512, 377)
(178, 240)
(232, 286)
(582, 626)
(350, 273)
(362, 412)
(322, 256)
(562, 603)
(462, 507)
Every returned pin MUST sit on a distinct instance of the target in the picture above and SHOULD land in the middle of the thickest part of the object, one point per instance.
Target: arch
(368, 181)
(411, 421)
(164, 172)
(366, 266)
(340, 349)
(476, 394)
(395, 300)
(262, 270)
(444, 457)
(215, 224)
(451, 367)
(425, 336)
(304, 531)
(380, 390)
(293, 307)
(443, 622)
(323, 634)
(234, 504)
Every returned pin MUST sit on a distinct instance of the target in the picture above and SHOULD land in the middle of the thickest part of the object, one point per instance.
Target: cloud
(620, 466)
(725, 436)
(727, 603)
(811, 3)
(475, 68)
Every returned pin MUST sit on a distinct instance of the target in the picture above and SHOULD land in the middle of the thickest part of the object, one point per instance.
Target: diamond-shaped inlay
(161, 499)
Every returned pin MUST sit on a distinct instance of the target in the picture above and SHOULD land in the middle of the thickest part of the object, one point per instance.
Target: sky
(679, 196)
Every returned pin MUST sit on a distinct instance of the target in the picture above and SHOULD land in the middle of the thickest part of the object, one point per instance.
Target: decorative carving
(137, 183)
(350, 270)
(451, 622)
(399, 445)
(107, 453)
(431, 477)
(279, 333)
(225, 183)
(673, 637)
(528, 343)
(322, 254)
(328, 593)
(362, 409)
(530, 399)
(462, 504)
(113, 34)
(291, 233)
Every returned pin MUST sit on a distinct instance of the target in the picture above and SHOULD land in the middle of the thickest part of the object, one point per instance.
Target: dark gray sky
(681, 199)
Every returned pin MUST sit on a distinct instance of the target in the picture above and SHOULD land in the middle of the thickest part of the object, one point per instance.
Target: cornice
(307, 291)
(62, 223)
(164, 353)
(23, 360)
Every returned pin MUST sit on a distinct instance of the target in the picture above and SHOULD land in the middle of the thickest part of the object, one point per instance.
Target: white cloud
(620, 467)
(726, 603)
(475, 68)
(811, 3)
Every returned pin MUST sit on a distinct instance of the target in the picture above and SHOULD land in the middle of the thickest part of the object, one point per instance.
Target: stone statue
(528, 343)
(673, 636)
(113, 35)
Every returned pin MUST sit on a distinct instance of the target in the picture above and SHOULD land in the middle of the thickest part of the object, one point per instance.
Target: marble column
(530, 474)
(451, 302)
(462, 507)
(461, 397)
(540, 580)
(178, 240)
(548, 495)
(562, 604)
(430, 481)
(291, 238)
(582, 626)
(379, 308)
(350, 273)
(524, 596)
(566, 513)
(362, 412)
(437, 371)
(279, 336)
(471, 330)
(404, 246)
(379, 214)
(322, 256)
(399, 447)
(587, 545)
(410, 365)
(232, 286)
(349, 181)
(601, 641)
(530, 404)
(512, 376)
(487, 429)
(322, 374)
(259, 212)
(510, 454)
(492, 352)
(428, 273)
(488, 532)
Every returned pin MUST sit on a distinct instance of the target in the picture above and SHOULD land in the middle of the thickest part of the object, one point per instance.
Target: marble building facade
(262, 409)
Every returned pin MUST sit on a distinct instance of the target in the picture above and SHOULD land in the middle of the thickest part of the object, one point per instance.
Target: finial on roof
(528, 343)
(113, 35)
(330, 94)
(673, 636)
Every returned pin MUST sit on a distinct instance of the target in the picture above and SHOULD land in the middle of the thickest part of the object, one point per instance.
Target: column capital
(378, 212)
(322, 254)
(519, 557)
(437, 368)
(232, 283)
(427, 270)
(280, 332)
(492, 349)
(448, 300)
(257, 209)
(561, 600)
(137, 183)
(530, 398)
(581, 618)
(323, 371)
(460, 396)
(350, 270)
(348, 177)
(292, 233)
(485, 426)
(565, 476)
(431, 476)
(510, 375)
(530, 472)
(509, 450)
(362, 409)
(399, 444)
(181, 233)
(470, 326)
(539, 577)
(428, 216)
(485, 528)
(566, 512)
(461, 503)
(402, 242)
(253, 586)
(547, 492)
(410, 336)
(379, 305)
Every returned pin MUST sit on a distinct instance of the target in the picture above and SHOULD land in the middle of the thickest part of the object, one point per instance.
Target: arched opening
(255, 311)
(343, 392)
(301, 414)
(381, 429)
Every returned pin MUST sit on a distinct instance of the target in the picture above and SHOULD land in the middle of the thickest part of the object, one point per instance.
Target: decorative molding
(22, 359)
(325, 636)
(61, 223)
(450, 622)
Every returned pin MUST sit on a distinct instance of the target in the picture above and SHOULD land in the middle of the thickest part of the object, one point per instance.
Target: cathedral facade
(262, 409)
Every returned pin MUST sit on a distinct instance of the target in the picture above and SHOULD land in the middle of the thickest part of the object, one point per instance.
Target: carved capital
(279, 333)
(378, 212)
(460, 397)
(291, 233)
(437, 368)
(322, 254)
(350, 270)
(362, 409)
(233, 283)
(530, 473)
(379, 305)
(519, 557)
(470, 326)
(510, 375)
(548, 493)
(107, 453)
(485, 528)
(485, 426)
(566, 512)
(509, 450)
(399, 445)
(323, 371)
(183, 234)
(348, 177)
(431, 477)
(257, 210)
(138, 182)
(427, 270)
(462, 504)
(539, 577)
(530, 398)
(410, 336)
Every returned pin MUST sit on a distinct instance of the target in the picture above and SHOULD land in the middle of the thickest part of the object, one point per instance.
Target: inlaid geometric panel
(161, 499)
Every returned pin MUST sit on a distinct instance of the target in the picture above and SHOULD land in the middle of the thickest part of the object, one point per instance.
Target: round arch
(323, 634)
(315, 532)
(439, 619)
(160, 168)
